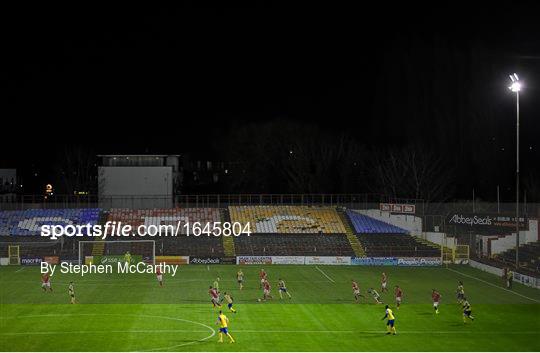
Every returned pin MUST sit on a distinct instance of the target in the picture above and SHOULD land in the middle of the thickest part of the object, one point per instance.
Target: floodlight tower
(515, 86)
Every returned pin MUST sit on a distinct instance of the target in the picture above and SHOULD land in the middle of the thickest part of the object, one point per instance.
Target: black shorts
(467, 312)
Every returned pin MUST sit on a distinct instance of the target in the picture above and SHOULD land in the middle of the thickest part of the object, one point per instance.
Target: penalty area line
(324, 274)
(494, 285)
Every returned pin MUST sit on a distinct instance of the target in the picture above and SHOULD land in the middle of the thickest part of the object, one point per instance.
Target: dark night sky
(132, 80)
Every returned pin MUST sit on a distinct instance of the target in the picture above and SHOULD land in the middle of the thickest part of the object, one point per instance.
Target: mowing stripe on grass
(270, 331)
(494, 285)
(325, 275)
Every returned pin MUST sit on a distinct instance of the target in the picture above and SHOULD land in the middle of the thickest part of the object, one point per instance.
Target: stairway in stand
(228, 242)
(98, 248)
(349, 232)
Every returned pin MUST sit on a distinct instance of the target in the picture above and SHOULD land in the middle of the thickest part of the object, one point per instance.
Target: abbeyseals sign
(486, 223)
(204, 260)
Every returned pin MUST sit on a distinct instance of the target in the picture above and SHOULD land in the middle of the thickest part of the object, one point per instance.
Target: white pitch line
(405, 332)
(19, 270)
(325, 275)
(272, 331)
(494, 285)
(96, 332)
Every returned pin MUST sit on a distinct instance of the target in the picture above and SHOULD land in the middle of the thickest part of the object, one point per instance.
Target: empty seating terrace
(396, 245)
(172, 217)
(529, 257)
(202, 245)
(288, 219)
(298, 244)
(29, 222)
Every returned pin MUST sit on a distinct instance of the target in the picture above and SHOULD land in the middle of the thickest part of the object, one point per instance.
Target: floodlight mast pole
(517, 179)
(516, 87)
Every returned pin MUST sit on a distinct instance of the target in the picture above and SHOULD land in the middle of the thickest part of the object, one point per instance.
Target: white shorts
(160, 278)
(46, 285)
(435, 304)
(356, 292)
(266, 292)
(398, 299)
(262, 280)
(383, 285)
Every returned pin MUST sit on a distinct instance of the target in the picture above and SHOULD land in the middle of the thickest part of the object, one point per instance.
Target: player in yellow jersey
(223, 323)
(229, 299)
(467, 311)
(127, 257)
(240, 279)
(391, 329)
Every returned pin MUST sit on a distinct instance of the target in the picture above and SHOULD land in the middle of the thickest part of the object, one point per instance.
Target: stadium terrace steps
(271, 219)
(529, 255)
(98, 248)
(353, 240)
(367, 225)
(29, 222)
(294, 244)
(228, 242)
(393, 245)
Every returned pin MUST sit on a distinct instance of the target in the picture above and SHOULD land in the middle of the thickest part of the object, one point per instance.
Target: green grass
(131, 312)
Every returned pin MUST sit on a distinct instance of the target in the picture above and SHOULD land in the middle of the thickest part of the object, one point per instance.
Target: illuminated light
(515, 87)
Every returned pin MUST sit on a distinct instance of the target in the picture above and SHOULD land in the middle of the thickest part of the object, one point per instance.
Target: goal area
(103, 251)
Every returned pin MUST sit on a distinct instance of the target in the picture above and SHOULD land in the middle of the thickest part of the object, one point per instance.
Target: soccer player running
(399, 295)
(262, 276)
(283, 289)
(214, 297)
(266, 291)
(216, 284)
(159, 276)
(223, 322)
(71, 292)
(229, 299)
(46, 282)
(384, 281)
(356, 291)
(467, 311)
(436, 297)
(390, 326)
(240, 279)
(375, 295)
(460, 292)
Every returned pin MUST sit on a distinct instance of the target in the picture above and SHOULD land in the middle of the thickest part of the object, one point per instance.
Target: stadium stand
(136, 218)
(529, 257)
(381, 239)
(288, 219)
(394, 245)
(296, 244)
(28, 222)
(367, 225)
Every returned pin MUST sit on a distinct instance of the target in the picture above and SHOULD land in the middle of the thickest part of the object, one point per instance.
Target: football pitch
(132, 313)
